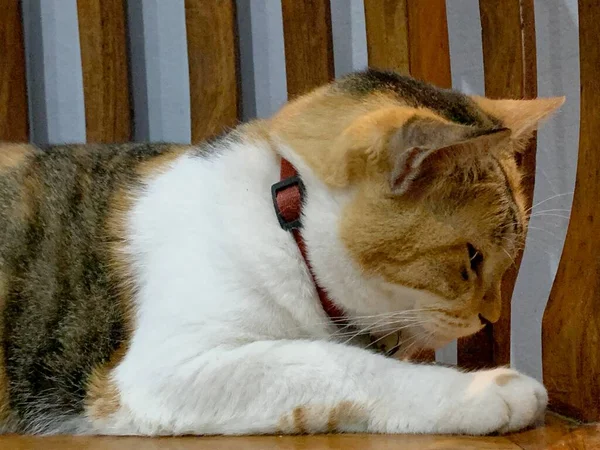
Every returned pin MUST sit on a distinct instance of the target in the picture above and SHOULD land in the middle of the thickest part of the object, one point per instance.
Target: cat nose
(490, 305)
(483, 320)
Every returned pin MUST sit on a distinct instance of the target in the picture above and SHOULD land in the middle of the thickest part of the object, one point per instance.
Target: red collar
(287, 199)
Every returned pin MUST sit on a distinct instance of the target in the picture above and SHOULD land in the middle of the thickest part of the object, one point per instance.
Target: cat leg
(312, 387)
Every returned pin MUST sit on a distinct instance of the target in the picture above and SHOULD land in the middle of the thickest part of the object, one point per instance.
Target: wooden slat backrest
(213, 55)
(308, 44)
(387, 28)
(429, 52)
(13, 96)
(103, 41)
(571, 325)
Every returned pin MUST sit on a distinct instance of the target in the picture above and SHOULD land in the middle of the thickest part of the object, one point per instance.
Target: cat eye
(475, 257)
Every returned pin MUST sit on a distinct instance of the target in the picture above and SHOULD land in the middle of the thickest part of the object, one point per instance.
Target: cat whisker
(552, 210)
(548, 199)
(344, 322)
(549, 215)
(510, 257)
(373, 327)
(545, 231)
(392, 332)
(377, 326)
(393, 313)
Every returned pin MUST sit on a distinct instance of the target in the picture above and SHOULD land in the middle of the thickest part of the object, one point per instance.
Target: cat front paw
(502, 400)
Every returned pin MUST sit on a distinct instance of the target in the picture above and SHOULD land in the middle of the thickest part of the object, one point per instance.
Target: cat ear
(427, 142)
(522, 117)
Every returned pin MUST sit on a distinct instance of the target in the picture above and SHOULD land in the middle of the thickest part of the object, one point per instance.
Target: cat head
(436, 204)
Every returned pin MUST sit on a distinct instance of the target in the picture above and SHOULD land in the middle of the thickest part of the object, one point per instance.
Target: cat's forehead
(450, 104)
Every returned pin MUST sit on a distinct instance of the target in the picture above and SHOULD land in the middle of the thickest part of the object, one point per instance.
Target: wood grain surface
(571, 324)
(387, 34)
(308, 44)
(103, 38)
(429, 50)
(509, 60)
(213, 63)
(556, 434)
(13, 92)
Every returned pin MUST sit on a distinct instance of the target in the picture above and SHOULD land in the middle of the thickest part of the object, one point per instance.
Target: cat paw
(502, 400)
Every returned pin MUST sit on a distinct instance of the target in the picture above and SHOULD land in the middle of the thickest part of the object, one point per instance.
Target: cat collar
(288, 195)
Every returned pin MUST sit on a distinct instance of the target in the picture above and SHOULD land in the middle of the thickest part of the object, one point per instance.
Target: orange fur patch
(345, 413)
(102, 395)
(299, 420)
(161, 163)
(322, 419)
(312, 124)
(121, 268)
(13, 155)
(521, 116)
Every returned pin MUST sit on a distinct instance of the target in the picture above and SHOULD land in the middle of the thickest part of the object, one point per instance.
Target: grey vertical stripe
(349, 32)
(54, 78)
(159, 70)
(262, 57)
(466, 51)
(466, 63)
(448, 354)
(557, 39)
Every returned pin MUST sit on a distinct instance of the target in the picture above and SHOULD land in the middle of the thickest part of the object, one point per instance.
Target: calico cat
(150, 289)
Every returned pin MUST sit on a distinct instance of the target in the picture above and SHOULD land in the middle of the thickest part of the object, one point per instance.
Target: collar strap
(288, 195)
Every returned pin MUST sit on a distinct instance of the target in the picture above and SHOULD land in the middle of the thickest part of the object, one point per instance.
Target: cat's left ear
(522, 117)
(425, 149)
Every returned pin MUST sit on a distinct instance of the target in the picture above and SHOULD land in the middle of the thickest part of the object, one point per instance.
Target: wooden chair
(102, 76)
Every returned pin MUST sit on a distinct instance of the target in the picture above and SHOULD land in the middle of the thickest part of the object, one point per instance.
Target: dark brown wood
(387, 34)
(308, 44)
(509, 59)
(571, 324)
(212, 52)
(13, 93)
(103, 37)
(429, 51)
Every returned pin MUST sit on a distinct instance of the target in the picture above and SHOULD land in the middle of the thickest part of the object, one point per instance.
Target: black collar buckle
(281, 186)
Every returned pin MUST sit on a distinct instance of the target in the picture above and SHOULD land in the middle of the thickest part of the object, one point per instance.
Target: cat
(158, 289)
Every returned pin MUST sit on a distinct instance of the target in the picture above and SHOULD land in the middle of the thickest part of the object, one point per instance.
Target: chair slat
(429, 50)
(212, 54)
(308, 44)
(103, 38)
(387, 34)
(571, 324)
(13, 93)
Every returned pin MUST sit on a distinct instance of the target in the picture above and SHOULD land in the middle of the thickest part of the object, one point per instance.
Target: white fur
(230, 336)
